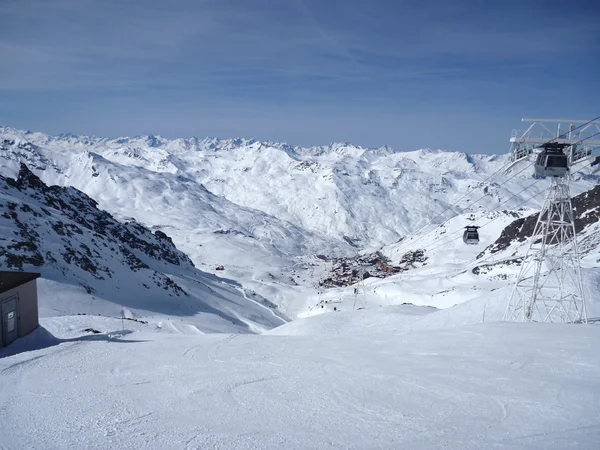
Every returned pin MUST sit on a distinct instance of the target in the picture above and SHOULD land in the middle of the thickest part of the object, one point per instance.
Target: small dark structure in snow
(18, 305)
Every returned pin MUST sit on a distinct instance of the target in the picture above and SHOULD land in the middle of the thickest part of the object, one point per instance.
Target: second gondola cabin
(471, 235)
(552, 161)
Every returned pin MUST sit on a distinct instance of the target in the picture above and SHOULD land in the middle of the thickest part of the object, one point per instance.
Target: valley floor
(492, 385)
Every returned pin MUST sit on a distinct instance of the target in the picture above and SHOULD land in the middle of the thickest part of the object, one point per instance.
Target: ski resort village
(299, 225)
(241, 294)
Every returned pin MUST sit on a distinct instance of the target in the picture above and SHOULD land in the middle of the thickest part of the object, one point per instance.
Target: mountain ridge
(264, 213)
(212, 143)
(60, 232)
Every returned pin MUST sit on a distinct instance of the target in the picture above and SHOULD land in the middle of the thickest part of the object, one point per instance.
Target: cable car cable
(504, 182)
(485, 224)
(485, 195)
(522, 190)
(501, 169)
(490, 221)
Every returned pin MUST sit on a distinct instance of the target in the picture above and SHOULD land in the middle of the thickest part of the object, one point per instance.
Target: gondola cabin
(596, 165)
(471, 235)
(552, 161)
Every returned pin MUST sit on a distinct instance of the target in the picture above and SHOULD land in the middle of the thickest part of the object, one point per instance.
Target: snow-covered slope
(480, 277)
(368, 196)
(93, 264)
(359, 370)
(510, 386)
(263, 211)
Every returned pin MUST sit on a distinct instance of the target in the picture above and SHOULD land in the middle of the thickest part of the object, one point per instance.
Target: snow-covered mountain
(100, 264)
(274, 220)
(263, 211)
(369, 197)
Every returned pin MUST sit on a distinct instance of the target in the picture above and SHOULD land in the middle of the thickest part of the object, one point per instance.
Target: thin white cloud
(64, 44)
(306, 71)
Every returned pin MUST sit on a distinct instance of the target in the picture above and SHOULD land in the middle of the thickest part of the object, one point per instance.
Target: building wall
(27, 309)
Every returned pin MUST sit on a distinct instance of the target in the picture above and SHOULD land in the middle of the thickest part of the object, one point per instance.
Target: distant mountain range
(262, 211)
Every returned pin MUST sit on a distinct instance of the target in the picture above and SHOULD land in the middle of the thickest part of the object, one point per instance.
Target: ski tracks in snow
(213, 353)
(231, 390)
(243, 291)
(54, 351)
(183, 328)
(10, 370)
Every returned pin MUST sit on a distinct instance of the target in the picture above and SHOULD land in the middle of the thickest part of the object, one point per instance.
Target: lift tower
(549, 286)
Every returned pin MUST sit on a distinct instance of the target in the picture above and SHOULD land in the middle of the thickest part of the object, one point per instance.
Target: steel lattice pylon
(549, 286)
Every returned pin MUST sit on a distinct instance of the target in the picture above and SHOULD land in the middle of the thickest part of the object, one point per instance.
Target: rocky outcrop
(586, 208)
(62, 228)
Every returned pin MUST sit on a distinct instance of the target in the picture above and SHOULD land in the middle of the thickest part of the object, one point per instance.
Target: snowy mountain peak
(338, 190)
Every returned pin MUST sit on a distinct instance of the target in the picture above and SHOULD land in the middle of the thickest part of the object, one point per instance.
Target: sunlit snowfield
(492, 385)
(442, 372)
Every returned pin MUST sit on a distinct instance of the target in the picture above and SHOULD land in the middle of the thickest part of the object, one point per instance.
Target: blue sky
(440, 74)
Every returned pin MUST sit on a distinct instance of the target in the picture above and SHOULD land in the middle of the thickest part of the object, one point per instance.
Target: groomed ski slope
(491, 385)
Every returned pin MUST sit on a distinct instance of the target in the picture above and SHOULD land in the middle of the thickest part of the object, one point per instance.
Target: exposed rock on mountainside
(586, 208)
(61, 232)
(63, 228)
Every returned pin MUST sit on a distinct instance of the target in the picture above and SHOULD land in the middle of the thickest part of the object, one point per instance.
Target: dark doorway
(10, 323)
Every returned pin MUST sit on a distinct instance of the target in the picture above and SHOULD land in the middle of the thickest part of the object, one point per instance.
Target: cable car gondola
(471, 235)
(596, 165)
(552, 161)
